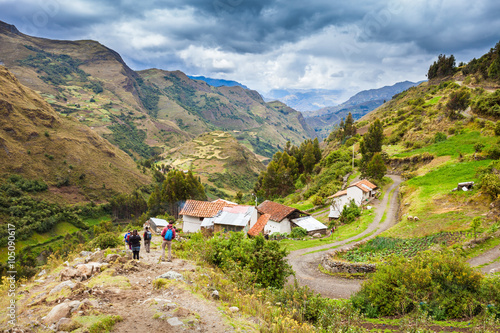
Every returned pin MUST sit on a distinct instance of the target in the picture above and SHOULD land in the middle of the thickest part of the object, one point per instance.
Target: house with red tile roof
(361, 192)
(193, 212)
(282, 219)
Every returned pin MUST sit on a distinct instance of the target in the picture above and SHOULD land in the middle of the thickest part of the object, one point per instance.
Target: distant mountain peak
(217, 82)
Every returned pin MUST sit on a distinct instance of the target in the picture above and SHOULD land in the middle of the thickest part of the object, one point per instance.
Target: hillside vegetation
(224, 165)
(37, 143)
(144, 112)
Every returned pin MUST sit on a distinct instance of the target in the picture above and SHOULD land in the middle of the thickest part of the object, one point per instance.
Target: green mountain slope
(39, 144)
(220, 160)
(144, 112)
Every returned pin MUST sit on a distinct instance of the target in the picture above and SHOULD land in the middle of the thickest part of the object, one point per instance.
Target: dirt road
(305, 264)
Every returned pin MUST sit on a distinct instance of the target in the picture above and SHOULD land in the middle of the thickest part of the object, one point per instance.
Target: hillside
(438, 134)
(220, 160)
(144, 112)
(39, 144)
(202, 107)
(323, 120)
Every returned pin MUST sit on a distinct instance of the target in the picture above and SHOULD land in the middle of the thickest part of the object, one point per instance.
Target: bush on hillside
(298, 232)
(350, 213)
(249, 261)
(104, 241)
(440, 136)
(442, 282)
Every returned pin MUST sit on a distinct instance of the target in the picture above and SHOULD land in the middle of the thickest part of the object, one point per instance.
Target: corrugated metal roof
(258, 227)
(238, 217)
(309, 223)
(277, 211)
(202, 208)
(159, 222)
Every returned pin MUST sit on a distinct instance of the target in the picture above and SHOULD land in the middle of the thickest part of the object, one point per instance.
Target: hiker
(147, 239)
(135, 243)
(168, 233)
(125, 238)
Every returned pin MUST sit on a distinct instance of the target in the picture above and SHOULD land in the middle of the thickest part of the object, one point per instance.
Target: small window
(201, 218)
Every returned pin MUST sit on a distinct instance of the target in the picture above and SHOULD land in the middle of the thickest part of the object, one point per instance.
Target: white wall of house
(281, 227)
(338, 204)
(354, 192)
(191, 223)
(254, 218)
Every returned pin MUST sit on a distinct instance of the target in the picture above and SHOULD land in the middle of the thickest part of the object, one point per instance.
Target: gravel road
(306, 264)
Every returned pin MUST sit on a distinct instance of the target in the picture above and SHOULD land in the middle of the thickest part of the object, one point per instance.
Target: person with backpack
(168, 234)
(147, 239)
(135, 243)
(125, 238)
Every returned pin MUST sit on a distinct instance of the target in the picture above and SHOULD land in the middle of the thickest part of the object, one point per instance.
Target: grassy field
(95, 221)
(343, 232)
(60, 229)
(454, 145)
(430, 198)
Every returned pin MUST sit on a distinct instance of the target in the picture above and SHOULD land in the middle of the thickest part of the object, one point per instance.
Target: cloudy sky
(271, 44)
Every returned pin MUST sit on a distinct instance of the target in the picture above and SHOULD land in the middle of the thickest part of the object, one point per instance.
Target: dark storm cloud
(273, 43)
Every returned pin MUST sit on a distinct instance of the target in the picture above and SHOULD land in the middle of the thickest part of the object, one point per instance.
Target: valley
(91, 148)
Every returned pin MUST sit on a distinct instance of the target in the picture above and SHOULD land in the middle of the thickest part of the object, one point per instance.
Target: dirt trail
(485, 258)
(129, 293)
(305, 264)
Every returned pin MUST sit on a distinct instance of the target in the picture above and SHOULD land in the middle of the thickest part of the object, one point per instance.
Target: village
(269, 218)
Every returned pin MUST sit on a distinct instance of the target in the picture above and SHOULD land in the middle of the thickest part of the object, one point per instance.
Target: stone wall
(335, 266)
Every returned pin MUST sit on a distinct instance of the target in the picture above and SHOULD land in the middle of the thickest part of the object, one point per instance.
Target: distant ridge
(365, 101)
(217, 82)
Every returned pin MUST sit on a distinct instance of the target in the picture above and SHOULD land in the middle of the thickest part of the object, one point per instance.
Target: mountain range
(323, 120)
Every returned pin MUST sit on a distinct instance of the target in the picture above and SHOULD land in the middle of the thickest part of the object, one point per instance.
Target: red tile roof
(277, 211)
(365, 183)
(258, 227)
(202, 208)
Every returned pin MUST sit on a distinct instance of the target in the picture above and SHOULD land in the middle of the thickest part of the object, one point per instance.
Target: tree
(376, 168)
(372, 142)
(349, 128)
(476, 223)
(442, 67)
(177, 188)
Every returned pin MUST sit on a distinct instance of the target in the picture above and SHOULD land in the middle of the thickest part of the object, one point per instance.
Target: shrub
(105, 240)
(490, 184)
(350, 213)
(440, 136)
(249, 261)
(298, 232)
(448, 286)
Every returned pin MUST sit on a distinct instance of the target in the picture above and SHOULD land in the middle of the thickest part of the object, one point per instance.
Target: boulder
(61, 285)
(69, 273)
(63, 324)
(170, 275)
(43, 272)
(234, 309)
(317, 235)
(112, 257)
(59, 311)
(175, 322)
(85, 254)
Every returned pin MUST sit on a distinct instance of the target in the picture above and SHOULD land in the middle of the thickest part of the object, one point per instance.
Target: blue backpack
(169, 234)
(148, 235)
